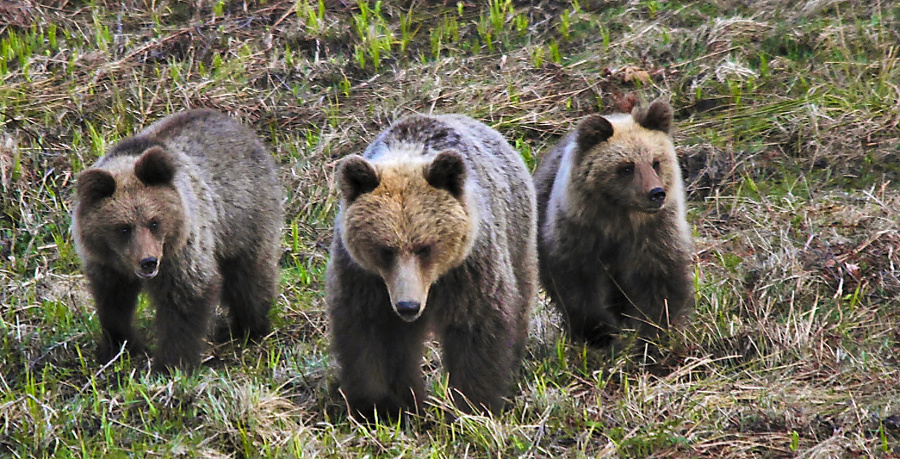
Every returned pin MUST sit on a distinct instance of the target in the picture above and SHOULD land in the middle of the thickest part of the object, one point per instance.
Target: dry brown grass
(787, 127)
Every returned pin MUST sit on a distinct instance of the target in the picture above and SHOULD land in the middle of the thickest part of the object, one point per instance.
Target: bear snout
(657, 195)
(149, 267)
(408, 310)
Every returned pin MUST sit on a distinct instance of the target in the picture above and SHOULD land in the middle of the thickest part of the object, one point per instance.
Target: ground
(786, 124)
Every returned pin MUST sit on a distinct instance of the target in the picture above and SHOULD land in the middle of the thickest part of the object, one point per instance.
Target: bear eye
(386, 255)
(656, 164)
(625, 170)
(423, 252)
(123, 230)
(154, 225)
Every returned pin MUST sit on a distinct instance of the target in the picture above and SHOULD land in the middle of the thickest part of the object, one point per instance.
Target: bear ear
(154, 167)
(656, 117)
(591, 131)
(94, 185)
(356, 176)
(447, 172)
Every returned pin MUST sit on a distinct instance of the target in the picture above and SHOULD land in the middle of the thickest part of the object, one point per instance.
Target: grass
(788, 130)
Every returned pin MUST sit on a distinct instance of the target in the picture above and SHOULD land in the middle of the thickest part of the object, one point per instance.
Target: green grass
(787, 126)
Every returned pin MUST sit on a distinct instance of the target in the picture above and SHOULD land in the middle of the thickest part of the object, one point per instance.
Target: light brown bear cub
(436, 232)
(614, 246)
(190, 211)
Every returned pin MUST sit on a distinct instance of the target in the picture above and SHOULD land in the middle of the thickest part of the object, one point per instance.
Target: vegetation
(787, 125)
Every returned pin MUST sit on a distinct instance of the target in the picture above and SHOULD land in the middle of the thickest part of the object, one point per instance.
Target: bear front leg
(378, 354)
(656, 299)
(585, 305)
(479, 360)
(115, 298)
(380, 364)
(183, 311)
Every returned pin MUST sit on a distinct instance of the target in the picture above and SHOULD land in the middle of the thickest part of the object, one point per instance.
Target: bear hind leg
(248, 292)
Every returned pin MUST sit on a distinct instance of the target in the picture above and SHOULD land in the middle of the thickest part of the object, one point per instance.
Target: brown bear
(189, 210)
(436, 233)
(614, 246)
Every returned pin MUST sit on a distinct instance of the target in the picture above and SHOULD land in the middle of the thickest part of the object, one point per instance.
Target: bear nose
(148, 265)
(408, 309)
(657, 195)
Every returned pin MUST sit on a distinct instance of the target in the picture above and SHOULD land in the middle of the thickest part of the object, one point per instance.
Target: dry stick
(104, 367)
(705, 56)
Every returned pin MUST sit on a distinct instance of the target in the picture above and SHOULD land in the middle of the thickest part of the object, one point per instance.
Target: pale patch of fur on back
(402, 155)
(559, 191)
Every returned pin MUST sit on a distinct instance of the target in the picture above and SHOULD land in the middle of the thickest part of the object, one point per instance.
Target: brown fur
(613, 242)
(190, 211)
(436, 232)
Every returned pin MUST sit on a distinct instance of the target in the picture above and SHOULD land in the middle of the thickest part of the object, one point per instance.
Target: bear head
(406, 221)
(129, 212)
(626, 161)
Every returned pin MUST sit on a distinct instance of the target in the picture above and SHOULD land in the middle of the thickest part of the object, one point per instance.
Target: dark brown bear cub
(190, 211)
(614, 246)
(436, 232)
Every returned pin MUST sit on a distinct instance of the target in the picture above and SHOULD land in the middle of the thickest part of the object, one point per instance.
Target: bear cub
(190, 211)
(614, 246)
(435, 233)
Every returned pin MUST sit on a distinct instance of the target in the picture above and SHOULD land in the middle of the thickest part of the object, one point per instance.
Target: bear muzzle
(656, 200)
(407, 287)
(148, 268)
(649, 183)
(408, 310)
(657, 195)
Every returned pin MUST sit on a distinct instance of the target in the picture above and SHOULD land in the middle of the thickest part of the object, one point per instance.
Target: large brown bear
(614, 246)
(436, 232)
(190, 210)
